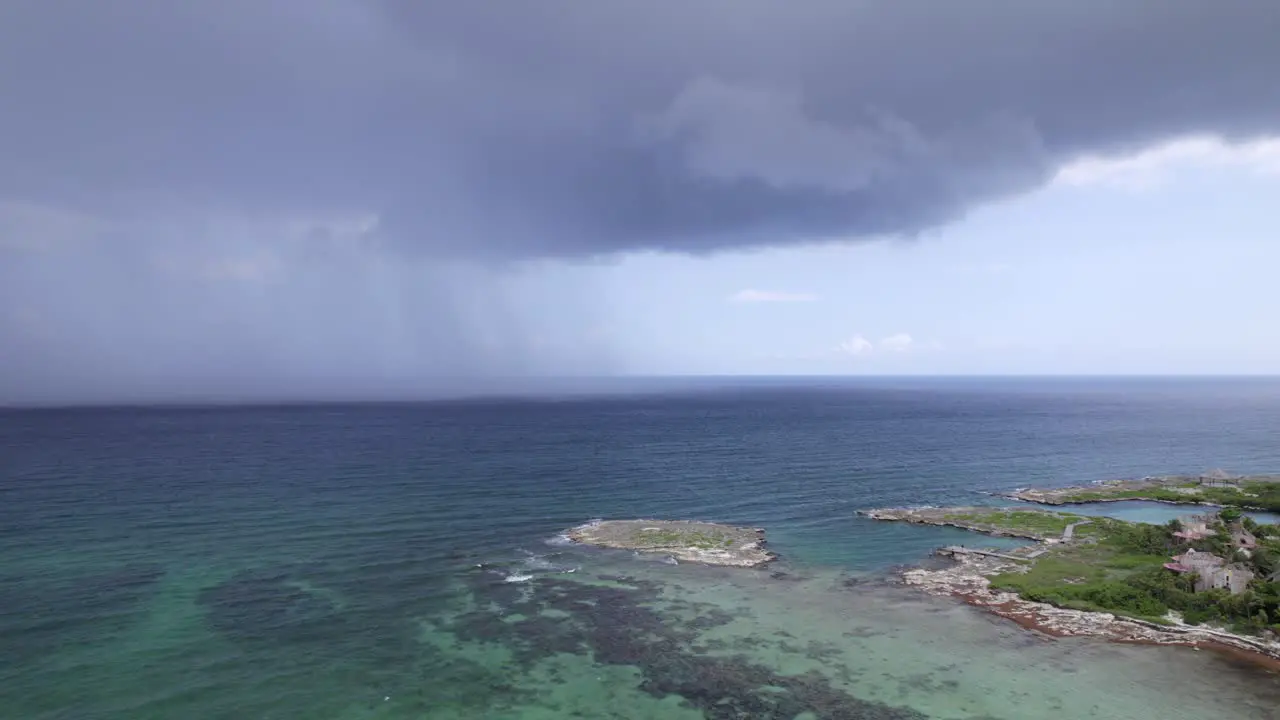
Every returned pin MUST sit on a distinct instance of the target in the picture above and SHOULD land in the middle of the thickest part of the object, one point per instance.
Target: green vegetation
(1048, 524)
(1260, 495)
(1261, 530)
(1097, 575)
(1119, 570)
(684, 538)
(1248, 495)
(1231, 514)
(1162, 494)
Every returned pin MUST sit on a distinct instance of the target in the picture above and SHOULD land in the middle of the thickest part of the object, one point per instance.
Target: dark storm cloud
(269, 198)
(569, 128)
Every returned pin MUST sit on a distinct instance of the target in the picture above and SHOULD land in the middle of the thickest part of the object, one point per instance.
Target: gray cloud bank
(246, 136)
(563, 128)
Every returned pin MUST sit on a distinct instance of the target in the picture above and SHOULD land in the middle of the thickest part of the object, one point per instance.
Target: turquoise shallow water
(1152, 512)
(400, 561)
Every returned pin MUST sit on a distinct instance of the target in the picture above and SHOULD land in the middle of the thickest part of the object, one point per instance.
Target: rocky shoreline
(967, 579)
(1058, 497)
(947, 517)
(1057, 502)
(688, 540)
(1168, 489)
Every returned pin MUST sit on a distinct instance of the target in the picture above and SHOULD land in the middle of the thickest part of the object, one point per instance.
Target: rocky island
(1217, 487)
(1207, 580)
(691, 541)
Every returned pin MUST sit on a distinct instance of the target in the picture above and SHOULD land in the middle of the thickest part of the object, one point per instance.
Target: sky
(312, 199)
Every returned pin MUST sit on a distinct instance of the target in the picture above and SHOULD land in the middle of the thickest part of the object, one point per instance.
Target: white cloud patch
(896, 344)
(1154, 166)
(770, 296)
(856, 345)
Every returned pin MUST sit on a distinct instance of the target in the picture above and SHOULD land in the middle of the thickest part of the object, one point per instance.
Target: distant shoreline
(1214, 489)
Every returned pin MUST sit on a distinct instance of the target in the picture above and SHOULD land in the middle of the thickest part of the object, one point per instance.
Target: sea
(407, 559)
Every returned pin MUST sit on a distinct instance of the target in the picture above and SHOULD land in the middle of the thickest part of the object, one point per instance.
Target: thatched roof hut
(1217, 476)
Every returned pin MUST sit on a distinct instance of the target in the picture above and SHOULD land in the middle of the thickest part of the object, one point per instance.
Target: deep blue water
(208, 562)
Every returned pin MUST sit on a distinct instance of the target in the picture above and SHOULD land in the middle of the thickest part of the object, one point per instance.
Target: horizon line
(605, 385)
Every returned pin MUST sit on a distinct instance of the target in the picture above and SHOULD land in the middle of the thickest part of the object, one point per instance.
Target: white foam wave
(537, 562)
(518, 578)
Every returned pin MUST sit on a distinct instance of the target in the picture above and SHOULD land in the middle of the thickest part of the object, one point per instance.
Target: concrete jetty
(953, 550)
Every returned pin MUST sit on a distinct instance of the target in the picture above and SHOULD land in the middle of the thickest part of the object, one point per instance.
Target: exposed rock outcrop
(691, 541)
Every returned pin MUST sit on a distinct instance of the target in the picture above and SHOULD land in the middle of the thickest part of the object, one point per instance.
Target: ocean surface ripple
(403, 560)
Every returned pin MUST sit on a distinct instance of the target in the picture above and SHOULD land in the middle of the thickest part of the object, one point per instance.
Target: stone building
(1194, 527)
(1196, 562)
(1243, 539)
(1235, 578)
(1212, 571)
